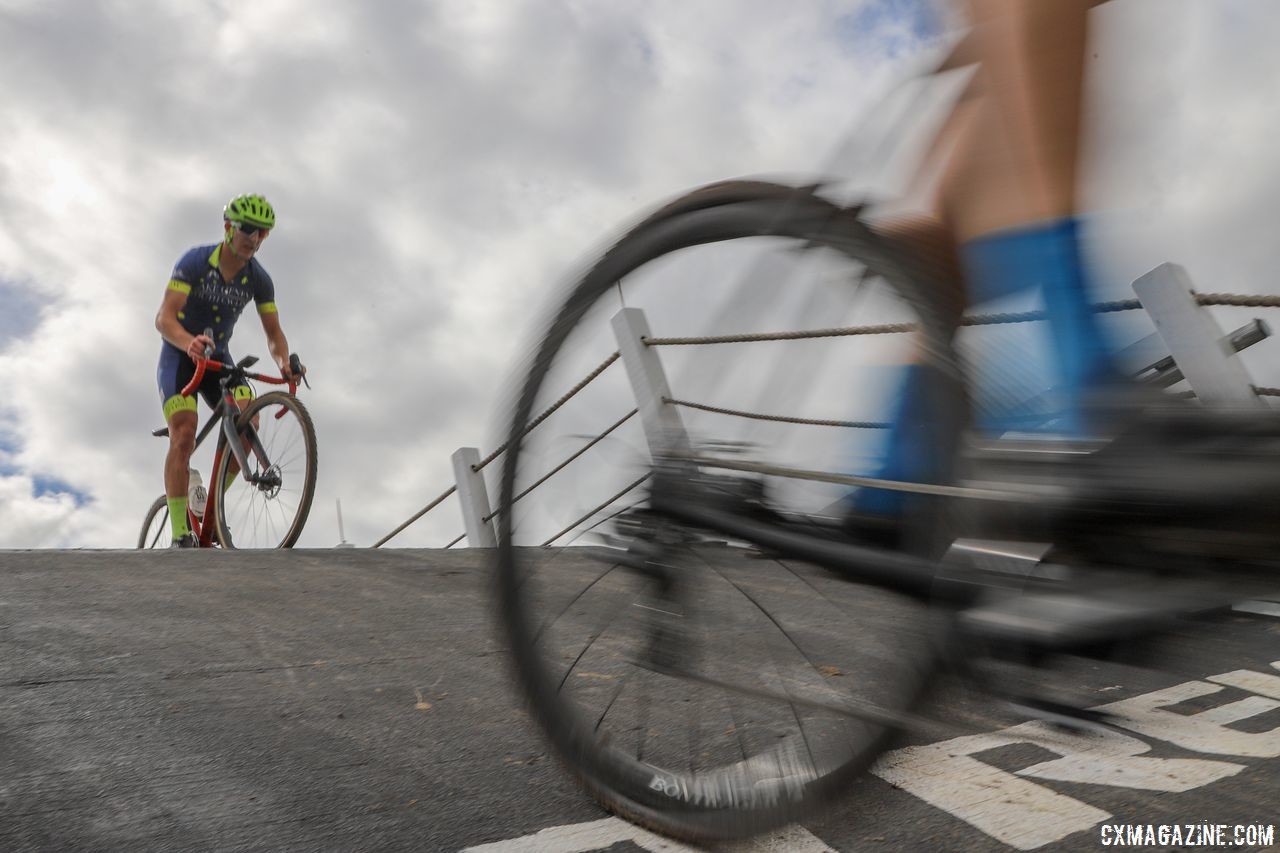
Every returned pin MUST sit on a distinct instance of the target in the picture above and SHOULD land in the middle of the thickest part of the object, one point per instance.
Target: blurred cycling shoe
(186, 540)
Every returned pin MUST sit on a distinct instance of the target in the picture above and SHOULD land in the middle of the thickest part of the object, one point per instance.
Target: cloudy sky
(439, 167)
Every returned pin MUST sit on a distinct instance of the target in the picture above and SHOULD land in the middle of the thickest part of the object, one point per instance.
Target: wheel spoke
(156, 526)
(266, 516)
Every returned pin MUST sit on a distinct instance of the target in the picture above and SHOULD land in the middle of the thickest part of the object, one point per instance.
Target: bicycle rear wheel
(156, 531)
(267, 508)
(690, 685)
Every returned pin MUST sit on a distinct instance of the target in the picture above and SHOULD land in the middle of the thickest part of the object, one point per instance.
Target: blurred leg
(1006, 203)
(1017, 161)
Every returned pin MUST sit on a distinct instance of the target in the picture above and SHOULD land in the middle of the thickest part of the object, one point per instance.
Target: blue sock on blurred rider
(1044, 255)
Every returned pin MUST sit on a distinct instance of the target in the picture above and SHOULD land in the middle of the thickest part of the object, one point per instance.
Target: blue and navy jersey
(214, 303)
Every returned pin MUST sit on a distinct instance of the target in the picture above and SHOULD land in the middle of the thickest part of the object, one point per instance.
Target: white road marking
(599, 834)
(1110, 758)
(1251, 682)
(1206, 731)
(1023, 814)
(1005, 805)
(1026, 816)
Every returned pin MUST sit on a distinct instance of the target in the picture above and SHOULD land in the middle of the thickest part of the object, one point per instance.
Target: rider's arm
(264, 296)
(170, 327)
(277, 344)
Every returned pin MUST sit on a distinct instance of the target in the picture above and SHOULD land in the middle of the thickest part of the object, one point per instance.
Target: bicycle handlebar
(206, 363)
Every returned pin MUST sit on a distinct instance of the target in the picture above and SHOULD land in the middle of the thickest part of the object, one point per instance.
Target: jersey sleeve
(264, 292)
(186, 272)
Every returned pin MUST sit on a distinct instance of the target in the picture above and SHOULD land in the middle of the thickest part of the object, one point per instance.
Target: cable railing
(550, 410)
(556, 470)
(1199, 354)
(784, 419)
(419, 514)
(479, 466)
(625, 491)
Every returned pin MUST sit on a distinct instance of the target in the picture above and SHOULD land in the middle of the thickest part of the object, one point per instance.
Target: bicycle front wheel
(267, 506)
(693, 686)
(156, 530)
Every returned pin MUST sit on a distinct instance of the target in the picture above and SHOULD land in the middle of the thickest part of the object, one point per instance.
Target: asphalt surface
(353, 699)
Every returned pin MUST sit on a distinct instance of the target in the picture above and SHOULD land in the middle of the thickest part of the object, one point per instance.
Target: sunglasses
(249, 230)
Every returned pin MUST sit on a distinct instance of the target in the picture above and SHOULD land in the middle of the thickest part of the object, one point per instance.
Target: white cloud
(42, 521)
(438, 170)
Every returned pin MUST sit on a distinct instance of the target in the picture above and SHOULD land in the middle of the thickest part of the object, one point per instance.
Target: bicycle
(708, 695)
(274, 441)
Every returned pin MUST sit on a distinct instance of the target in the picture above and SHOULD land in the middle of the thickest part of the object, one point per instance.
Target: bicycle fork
(231, 440)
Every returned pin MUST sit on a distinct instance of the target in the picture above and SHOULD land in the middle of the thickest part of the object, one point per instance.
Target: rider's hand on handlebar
(294, 370)
(199, 345)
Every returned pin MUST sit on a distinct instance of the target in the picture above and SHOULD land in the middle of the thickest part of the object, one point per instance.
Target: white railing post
(474, 498)
(1194, 339)
(663, 427)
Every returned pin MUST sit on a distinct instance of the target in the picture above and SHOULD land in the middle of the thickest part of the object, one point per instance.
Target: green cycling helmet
(251, 209)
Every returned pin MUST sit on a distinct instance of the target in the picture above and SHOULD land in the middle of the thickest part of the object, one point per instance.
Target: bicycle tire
(260, 505)
(150, 537)
(625, 784)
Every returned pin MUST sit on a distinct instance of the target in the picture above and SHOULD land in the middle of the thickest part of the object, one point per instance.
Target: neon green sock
(178, 517)
(229, 479)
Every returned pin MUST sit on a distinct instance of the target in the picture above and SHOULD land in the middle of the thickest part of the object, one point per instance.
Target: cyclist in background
(1002, 217)
(209, 287)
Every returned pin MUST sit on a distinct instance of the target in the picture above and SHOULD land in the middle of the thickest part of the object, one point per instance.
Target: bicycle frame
(904, 573)
(226, 413)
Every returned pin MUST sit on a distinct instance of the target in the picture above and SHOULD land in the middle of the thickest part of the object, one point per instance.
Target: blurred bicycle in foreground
(748, 640)
(710, 695)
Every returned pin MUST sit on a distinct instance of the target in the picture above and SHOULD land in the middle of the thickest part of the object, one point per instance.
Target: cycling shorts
(176, 369)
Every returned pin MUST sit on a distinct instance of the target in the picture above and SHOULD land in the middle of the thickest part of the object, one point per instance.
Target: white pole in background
(341, 534)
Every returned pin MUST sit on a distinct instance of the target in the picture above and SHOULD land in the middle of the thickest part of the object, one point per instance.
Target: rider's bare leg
(182, 441)
(1018, 158)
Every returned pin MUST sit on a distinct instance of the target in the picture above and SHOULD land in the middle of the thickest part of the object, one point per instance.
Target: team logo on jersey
(216, 293)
